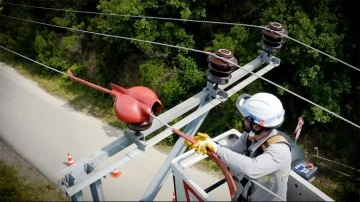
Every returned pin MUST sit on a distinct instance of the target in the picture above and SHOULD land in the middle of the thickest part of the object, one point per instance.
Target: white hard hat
(262, 108)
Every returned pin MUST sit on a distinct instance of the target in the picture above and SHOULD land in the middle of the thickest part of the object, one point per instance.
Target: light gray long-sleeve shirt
(271, 169)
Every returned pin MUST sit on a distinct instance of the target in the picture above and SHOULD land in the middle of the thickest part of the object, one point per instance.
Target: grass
(332, 180)
(338, 187)
(80, 97)
(16, 188)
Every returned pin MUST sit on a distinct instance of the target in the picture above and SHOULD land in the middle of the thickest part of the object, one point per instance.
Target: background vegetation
(14, 188)
(19, 181)
(174, 74)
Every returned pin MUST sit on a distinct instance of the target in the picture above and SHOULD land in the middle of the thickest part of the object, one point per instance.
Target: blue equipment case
(301, 169)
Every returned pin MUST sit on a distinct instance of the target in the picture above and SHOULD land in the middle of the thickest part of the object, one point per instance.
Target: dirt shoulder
(42, 189)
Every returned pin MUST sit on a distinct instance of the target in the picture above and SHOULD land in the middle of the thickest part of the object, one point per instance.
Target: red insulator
(133, 106)
(272, 41)
(219, 69)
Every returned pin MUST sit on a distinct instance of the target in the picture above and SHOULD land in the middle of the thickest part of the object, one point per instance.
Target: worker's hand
(199, 137)
(205, 145)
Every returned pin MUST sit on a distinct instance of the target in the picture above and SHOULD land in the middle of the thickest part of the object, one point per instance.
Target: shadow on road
(111, 131)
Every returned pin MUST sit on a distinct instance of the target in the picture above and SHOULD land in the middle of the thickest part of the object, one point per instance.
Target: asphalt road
(43, 128)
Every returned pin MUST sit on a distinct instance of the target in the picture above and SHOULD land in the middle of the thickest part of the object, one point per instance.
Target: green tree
(313, 73)
(17, 35)
(177, 71)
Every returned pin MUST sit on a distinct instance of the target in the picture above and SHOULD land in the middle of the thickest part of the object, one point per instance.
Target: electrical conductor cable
(186, 20)
(189, 49)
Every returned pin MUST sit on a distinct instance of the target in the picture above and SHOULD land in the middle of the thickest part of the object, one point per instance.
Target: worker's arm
(239, 145)
(199, 137)
(264, 164)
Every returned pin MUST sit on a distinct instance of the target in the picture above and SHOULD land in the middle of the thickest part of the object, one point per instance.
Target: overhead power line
(34, 61)
(136, 16)
(357, 170)
(194, 50)
(186, 20)
(341, 173)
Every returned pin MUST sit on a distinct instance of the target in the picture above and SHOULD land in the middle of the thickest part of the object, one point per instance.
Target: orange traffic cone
(70, 160)
(116, 173)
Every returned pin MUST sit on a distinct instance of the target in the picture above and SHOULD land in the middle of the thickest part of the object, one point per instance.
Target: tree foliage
(174, 73)
(314, 73)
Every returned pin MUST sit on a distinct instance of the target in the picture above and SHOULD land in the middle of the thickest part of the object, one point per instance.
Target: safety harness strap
(272, 140)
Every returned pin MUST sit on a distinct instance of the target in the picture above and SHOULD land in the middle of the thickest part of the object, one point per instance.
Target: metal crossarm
(105, 160)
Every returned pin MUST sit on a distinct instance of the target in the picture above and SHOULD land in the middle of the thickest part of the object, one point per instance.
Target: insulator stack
(272, 41)
(219, 68)
(140, 127)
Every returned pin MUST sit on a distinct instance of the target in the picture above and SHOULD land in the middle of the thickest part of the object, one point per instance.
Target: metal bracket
(77, 196)
(215, 92)
(136, 139)
(268, 58)
(95, 188)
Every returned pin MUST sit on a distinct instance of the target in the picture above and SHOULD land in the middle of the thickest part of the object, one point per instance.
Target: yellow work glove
(199, 137)
(207, 144)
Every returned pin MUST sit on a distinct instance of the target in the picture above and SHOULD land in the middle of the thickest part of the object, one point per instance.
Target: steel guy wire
(108, 35)
(136, 16)
(194, 50)
(332, 57)
(342, 173)
(187, 20)
(34, 61)
(325, 159)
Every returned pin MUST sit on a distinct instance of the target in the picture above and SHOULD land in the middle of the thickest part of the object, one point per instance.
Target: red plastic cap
(135, 105)
(148, 97)
(132, 106)
(310, 166)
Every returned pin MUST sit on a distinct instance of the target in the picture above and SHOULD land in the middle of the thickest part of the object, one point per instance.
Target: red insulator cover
(133, 105)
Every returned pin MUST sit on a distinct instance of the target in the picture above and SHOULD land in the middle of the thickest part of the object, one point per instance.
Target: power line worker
(255, 154)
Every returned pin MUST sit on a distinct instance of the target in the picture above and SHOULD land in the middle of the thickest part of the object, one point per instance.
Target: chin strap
(252, 132)
(252, 125)
(251, 136)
